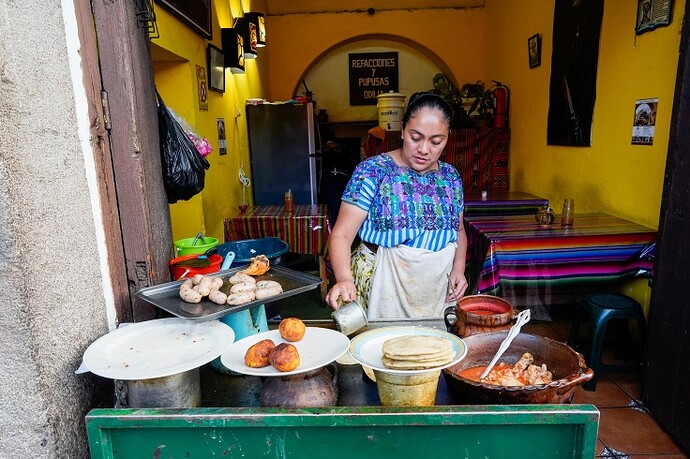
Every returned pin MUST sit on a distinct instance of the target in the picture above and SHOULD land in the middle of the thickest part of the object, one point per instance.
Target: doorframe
(118, 78)
(666, 384)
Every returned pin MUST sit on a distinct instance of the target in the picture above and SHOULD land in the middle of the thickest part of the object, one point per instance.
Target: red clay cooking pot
(479, 314)
(567, 366)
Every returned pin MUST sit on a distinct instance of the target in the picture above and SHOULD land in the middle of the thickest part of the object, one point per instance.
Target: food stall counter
(232, 423)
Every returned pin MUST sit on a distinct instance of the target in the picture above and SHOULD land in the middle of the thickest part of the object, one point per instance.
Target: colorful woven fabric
(502, 203)
(481, 156)
(513, 251)
(306, 229)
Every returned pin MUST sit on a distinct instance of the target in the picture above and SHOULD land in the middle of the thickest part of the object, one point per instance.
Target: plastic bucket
(185, 247)
(178, 268)
(274, 248)
(391, 108)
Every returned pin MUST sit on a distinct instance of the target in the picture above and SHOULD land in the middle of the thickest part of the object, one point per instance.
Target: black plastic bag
(184, 168)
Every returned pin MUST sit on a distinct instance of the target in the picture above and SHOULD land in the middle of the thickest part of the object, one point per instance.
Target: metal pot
(316, 388)
(181, 390)
(479, 314)
(567, 366)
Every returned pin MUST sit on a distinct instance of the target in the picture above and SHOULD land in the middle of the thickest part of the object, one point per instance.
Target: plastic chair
(601, 308)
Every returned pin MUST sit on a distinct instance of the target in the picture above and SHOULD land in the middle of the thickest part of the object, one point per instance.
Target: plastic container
(273, 247)
(177, 267)
(185, 247)
(391, 108)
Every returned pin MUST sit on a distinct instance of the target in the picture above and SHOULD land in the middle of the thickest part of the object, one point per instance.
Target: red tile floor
(626, 428)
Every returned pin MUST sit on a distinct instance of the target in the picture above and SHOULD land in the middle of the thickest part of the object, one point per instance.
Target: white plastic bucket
(391, 108)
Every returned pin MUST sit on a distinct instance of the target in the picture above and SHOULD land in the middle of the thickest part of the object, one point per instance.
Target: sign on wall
(370, 75)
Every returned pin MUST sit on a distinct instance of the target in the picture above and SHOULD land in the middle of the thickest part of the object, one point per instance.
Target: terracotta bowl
(479, 314)
(567, 366)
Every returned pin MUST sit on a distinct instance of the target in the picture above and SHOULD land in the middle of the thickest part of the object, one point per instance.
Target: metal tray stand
(167, 296)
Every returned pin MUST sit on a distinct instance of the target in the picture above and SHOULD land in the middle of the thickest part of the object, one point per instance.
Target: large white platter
(318, 348)
(156, 348)
(366, 348)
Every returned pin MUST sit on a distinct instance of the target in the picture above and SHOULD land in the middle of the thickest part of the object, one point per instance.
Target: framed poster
(216, 68)
(534, 50)
(370, 75)
(202, 87)
(652, 14)
(195, 14)
(644, 121)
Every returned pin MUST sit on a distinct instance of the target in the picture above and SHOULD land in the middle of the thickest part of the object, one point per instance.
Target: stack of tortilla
(416, 352)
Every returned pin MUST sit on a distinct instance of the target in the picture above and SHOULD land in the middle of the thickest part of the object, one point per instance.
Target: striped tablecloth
(306, 229)
(513, 251)
(502, 203)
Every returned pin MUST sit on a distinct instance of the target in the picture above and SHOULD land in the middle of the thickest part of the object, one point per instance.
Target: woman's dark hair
(420, 100)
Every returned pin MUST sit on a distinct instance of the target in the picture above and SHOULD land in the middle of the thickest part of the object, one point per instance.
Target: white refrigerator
(282, 150)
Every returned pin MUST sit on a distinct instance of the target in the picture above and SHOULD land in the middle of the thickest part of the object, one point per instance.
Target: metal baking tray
(167, 297)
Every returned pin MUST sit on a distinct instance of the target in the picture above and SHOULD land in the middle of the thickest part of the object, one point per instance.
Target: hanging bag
(184, 168)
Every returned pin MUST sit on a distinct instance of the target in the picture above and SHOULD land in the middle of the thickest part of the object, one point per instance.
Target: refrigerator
(282, 151)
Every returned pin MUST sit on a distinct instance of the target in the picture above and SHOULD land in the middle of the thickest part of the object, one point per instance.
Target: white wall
(53, 302)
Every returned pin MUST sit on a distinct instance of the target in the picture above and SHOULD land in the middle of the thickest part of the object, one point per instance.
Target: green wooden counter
(517, 431)
(232, 424)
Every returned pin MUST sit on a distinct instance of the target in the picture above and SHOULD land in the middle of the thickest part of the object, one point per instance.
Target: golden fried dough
(284, 357)
(257, 355)
(292, 329)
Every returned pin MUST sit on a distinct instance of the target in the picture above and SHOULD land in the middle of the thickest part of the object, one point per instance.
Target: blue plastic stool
(602, 307)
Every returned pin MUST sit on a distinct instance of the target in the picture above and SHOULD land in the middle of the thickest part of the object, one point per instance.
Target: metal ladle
(522, 318)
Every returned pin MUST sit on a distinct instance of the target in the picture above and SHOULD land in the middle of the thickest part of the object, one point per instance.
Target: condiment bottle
(289, 201)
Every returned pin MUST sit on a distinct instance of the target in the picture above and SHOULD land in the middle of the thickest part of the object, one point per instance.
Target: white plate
(157, 348)
(318, 348)
(366, 348)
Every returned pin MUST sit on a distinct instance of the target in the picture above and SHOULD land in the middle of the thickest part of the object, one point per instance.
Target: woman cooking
(406, 206)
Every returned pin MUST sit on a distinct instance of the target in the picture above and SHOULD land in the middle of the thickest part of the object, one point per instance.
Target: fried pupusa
(257, 354)
(292, 329)
(284, 357)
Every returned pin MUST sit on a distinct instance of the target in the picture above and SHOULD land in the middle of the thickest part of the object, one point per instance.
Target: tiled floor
(626, 428)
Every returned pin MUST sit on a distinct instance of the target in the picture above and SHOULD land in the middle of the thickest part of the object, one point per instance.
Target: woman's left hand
(457, 284)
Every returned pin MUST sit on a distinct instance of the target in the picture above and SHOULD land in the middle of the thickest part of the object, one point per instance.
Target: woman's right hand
(344, 291)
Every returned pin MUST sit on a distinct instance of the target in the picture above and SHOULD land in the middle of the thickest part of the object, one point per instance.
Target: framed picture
(534, 50)
(196, 14)
(652, 14)
(216, 68)
(202, 87)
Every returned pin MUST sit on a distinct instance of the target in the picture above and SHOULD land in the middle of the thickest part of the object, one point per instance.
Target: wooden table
(306, 230)
(513, 253)
(502, 203)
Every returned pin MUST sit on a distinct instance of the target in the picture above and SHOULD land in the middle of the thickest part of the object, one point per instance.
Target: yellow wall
(175, 78)
(451, 38)
(612, 175)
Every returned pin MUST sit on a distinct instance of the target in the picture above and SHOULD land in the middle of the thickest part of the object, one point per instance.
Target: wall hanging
(652, 14)
(572, 90)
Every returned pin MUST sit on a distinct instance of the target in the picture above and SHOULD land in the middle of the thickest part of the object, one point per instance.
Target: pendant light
(233, 49)
(260, 21)
(248, 29)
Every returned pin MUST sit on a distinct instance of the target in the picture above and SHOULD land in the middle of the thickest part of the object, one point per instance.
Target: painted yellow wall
(175, 77)
(450, 37)
(612, 175)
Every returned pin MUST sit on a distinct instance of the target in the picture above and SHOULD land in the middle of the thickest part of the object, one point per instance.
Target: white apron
(410, 282)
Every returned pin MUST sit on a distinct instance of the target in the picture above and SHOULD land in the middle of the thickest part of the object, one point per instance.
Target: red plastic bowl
(178, 268)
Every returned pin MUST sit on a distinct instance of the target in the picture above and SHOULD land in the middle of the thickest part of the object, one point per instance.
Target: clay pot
(567, 366)
(479, 314)
(316, 388)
